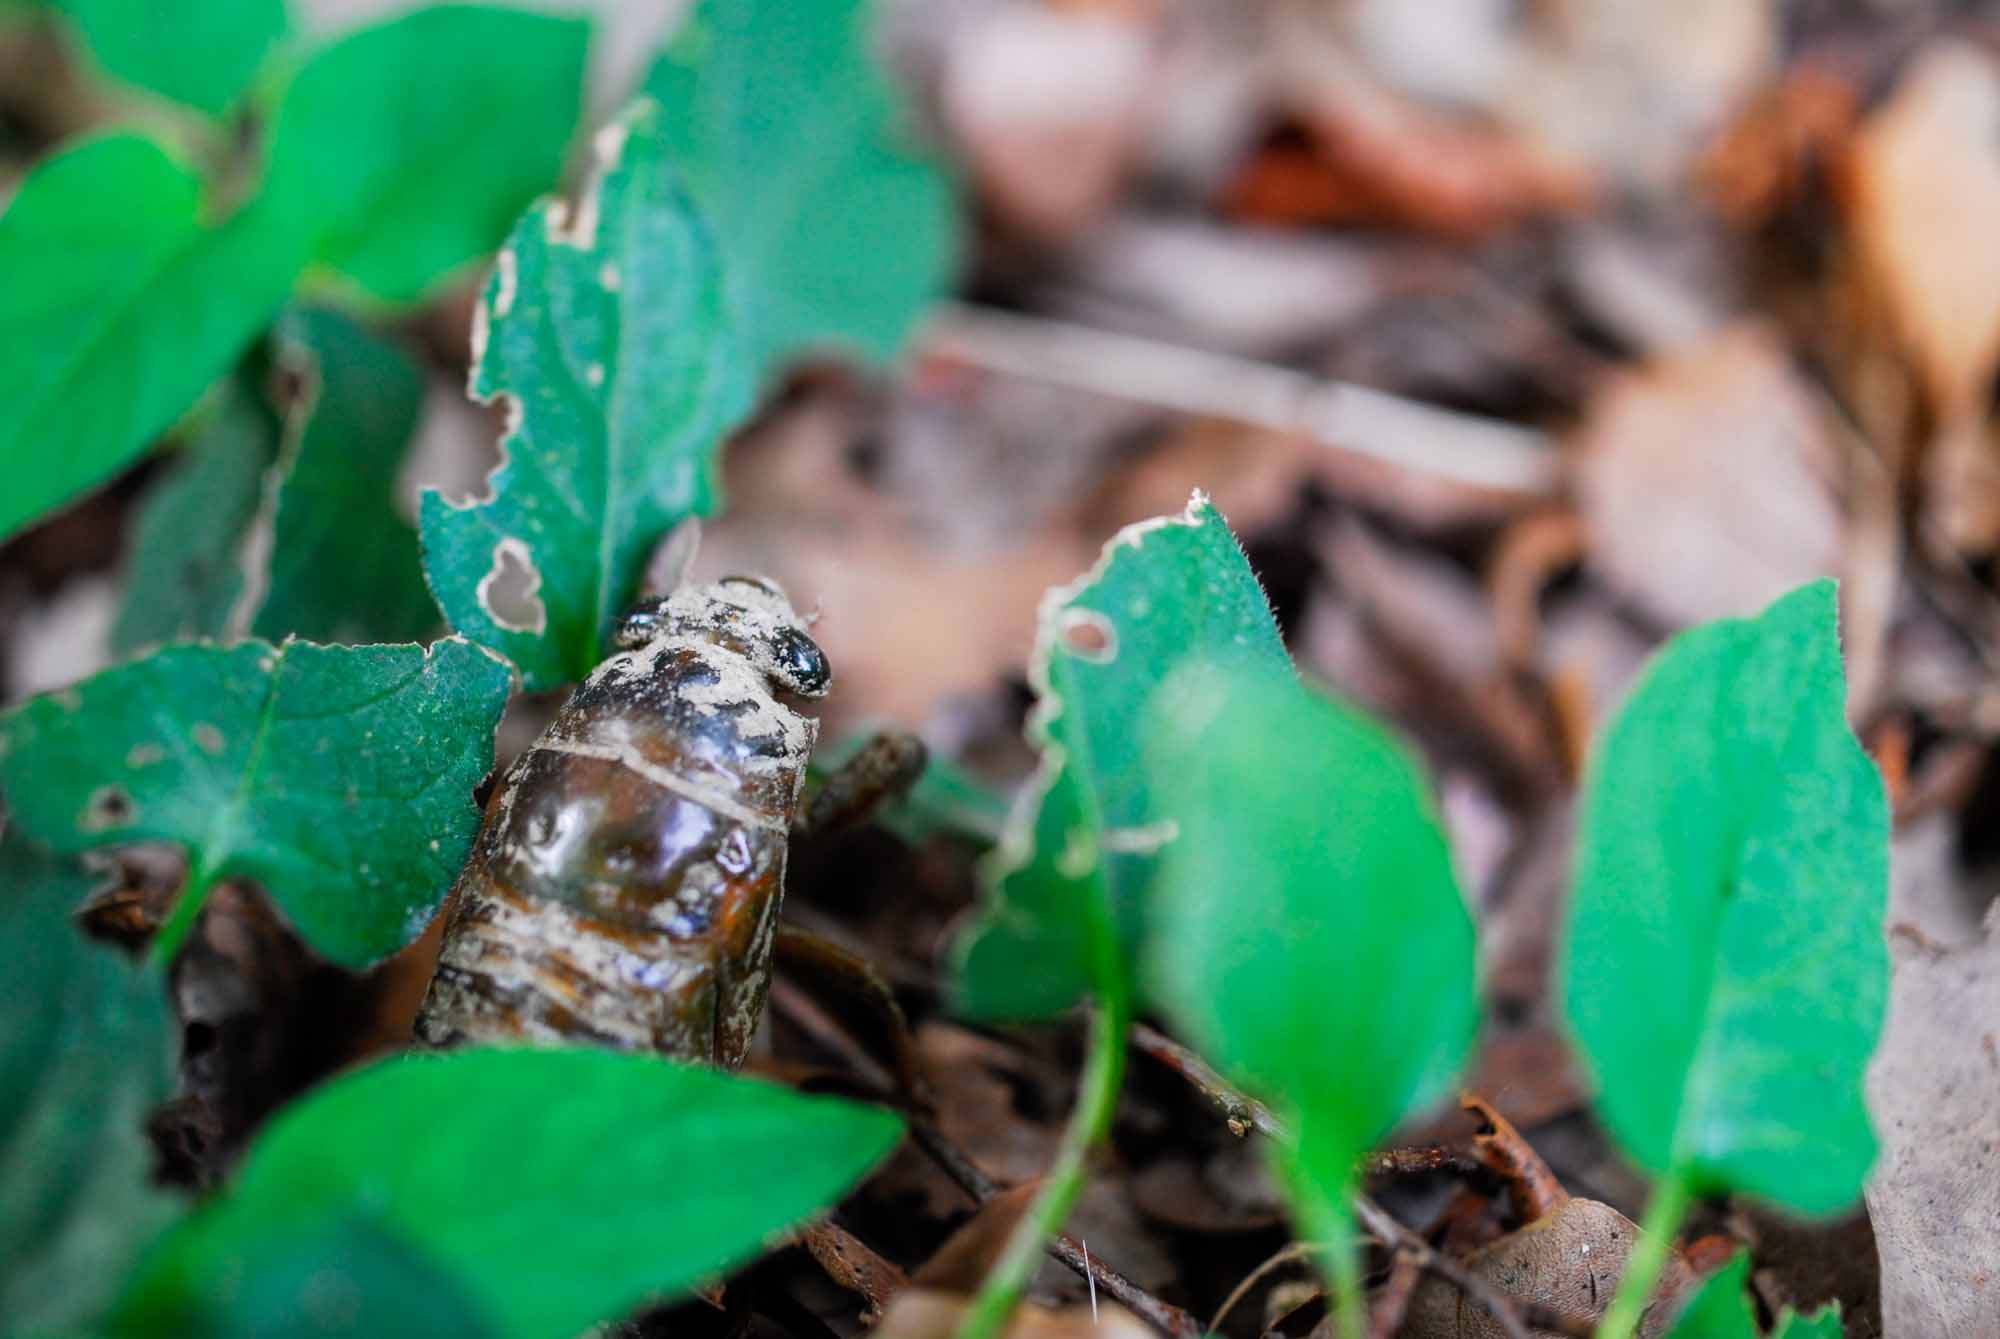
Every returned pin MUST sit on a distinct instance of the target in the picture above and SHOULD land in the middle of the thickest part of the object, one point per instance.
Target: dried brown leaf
(1568, 1260)
(1377, 156)
(1705, 481)
(1923, 203)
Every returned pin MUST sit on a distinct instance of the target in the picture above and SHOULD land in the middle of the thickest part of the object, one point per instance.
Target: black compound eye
(800, 664)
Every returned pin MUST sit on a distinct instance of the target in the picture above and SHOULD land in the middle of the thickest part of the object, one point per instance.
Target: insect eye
(800, 665)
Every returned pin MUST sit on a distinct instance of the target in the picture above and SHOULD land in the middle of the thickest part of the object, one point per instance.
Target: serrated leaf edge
(1015, 850)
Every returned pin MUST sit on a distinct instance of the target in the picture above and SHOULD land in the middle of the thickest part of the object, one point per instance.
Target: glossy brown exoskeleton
(626, 881)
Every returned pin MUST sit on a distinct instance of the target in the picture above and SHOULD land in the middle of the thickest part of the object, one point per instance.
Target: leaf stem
(1326, 1220)
(1104, 1070)
(1649, 1256)
(167, 940)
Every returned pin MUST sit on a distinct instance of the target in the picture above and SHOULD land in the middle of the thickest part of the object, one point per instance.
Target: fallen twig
(1165, 1317)
(1394, 1302)
(1243, 1113)
(1512, 1314)
(1291, 1254)
(1481, 452)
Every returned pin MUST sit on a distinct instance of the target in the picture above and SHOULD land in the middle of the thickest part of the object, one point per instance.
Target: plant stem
(1103, 1071)
(1345, 1267)
(167, 940)
(1648, 1258)
(1327, 1221)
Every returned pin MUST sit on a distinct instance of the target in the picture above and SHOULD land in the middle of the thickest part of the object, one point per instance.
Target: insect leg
(825, 967)
(879, 773)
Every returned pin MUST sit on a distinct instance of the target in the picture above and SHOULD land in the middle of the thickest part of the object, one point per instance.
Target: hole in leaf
(109, 807)
(508, 590)
(1088, 635)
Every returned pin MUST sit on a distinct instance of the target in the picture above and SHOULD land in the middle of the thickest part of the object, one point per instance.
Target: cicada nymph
(625, 884)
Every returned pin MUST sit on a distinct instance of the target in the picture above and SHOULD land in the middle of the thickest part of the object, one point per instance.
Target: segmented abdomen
(626, 882)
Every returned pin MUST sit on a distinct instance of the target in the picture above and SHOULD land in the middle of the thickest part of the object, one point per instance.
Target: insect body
(625, 884)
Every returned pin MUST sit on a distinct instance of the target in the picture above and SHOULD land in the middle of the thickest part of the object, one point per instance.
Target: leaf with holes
(661, 1175)
(1066, 885)
(124, 303)
(837, 233)
(343, 560)
(338, 778)
(607, 330)
(1735, 841)
(411, 145)
(204, 55)
(184, 572)
(84, 1058)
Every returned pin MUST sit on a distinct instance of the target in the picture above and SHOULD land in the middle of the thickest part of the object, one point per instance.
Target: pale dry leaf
(1923, 203)
(1704, 480)
(1634, 88)
(926, 1313)
(1930, 890)
(1628, 89)
(1046, 103)
(1569, 1259)
(1934, 1091)
(1384, 157)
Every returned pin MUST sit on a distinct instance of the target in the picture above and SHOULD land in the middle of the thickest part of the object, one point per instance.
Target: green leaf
(184, 572)
(1308, 933)
(123, 304)
(413, 144)
(203, 54)
(338, 778)
(344, 562)
(1726, 974)
(608, 330)
(340, 1275)
(1066, 887)
(84, 1057)
(643, 1178)
(1824, 1323)
(836, 233)
(1722, 1310)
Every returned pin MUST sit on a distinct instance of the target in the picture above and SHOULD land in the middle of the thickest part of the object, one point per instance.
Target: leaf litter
(1701, 473)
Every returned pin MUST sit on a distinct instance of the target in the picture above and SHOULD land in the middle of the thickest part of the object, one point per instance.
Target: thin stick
(1508, 1313)
(1165, 1317)
(1419, 1160)
(1392, 1233)
(1481, 452)
(1394, 1302)
(1291, 1254)
(1243, 1113)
